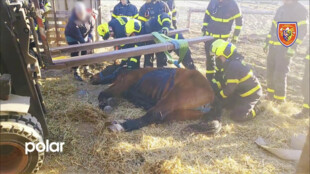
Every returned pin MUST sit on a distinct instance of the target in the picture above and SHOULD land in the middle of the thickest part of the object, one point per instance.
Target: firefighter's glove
(204, 30)
(165, 31)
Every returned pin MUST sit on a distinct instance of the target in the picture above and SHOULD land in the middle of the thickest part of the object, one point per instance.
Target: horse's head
(108, 75)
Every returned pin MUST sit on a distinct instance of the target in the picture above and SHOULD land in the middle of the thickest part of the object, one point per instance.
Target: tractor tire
(15, 131)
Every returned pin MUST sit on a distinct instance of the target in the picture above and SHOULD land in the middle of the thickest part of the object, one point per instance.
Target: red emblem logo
(287, 33)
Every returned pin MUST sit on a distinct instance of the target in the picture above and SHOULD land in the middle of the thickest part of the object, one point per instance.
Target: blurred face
(288, 1)
(80, 11)
(124, 2)
(222, 58)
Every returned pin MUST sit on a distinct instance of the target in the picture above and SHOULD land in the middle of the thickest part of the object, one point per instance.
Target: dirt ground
(73, 117)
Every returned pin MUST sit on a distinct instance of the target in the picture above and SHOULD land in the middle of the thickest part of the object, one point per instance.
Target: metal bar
(108, 43)
(36, 40)
(47, 57)
(114, 55)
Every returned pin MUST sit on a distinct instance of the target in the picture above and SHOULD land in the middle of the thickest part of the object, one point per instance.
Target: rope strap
(180, 45)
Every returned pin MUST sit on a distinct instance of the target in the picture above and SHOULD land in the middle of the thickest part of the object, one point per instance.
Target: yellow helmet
(223, 48)
(133, 26)
(104, 31)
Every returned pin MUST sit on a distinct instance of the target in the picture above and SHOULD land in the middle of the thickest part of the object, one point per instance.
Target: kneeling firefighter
(239, 89)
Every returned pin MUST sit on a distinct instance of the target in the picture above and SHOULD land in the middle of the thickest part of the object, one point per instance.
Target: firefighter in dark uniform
(119, 28)
(173, 12)
(163, 24)
(279, 56)
(125, 9)
(239, 89)
(305, 88)
(218, 22)
(134, 27)
(151, 9)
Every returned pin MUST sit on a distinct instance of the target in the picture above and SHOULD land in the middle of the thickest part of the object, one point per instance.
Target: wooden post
(189, 15)
(66, 5)
(56, 27)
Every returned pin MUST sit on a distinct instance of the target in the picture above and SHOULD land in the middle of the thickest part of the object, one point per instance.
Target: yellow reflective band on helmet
(161, 21)
(274, 42)
(298, 41)
(217, 83)
(219, 47)
(250, 92)
(47, 6)
(210, 71)
(270, 90)
(205, 24)
(238, 27)
(222, 94)
(308, 57)
(103, 29)
(279, 97)
(306, 106)
(142, 18)
(133, 26)
(253, 113)
(269, 36)
(302, 23)
(134, 60)
(221, 19)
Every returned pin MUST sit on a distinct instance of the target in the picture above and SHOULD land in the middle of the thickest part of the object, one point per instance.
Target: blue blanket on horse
(150, 88)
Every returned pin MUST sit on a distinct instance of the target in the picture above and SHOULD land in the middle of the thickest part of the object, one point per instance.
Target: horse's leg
(183, 115)
(180, 98)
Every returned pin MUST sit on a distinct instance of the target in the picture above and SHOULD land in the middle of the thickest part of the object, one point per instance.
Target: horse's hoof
(116, 128)
(108, 109)
(208, 128)
(102, 105)
(112, 102)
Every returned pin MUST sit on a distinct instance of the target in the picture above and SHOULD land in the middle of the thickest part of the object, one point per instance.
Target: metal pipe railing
(114, 55)
(108, 43)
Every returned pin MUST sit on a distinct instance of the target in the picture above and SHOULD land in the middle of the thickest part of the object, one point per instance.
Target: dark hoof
(208, 128)
(108, 109)
(112, 102)
(77, 77)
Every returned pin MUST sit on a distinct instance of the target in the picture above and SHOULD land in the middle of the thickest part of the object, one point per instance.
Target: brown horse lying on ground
(166, 94)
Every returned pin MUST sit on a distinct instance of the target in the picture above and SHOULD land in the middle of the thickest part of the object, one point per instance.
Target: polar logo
(41, 147)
